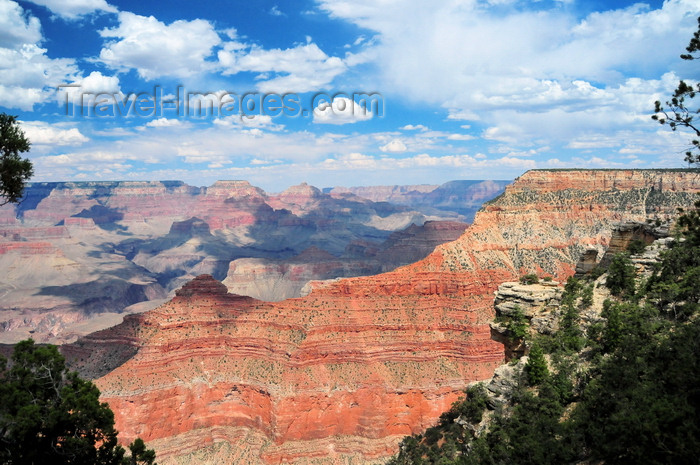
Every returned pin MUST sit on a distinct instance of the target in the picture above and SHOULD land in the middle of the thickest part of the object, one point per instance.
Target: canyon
(463, 197)
(342, 374)
(78, 256)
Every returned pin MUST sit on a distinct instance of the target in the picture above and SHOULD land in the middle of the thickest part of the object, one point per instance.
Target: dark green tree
(674, 285)
(516, 324)
(140, 455)
(536, 367)
(14, 170)
(643, 406)
(636, 247)
(679, 111)
(49, 415)
(530, 278)
(621, 275)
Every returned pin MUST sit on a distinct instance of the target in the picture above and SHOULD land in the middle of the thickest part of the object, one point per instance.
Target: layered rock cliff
(340, 375)
(79, 254)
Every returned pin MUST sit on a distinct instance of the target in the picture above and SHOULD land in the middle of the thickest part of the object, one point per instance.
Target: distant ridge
(462, 196)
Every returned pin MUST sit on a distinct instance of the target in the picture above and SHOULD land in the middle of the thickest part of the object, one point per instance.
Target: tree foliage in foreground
(49, 415)
(622, 391)
(14, 170)
(679, 112)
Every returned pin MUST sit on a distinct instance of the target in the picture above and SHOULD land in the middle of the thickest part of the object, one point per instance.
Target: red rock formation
(55, 232)
(229, 204)
(28, 248)
(356, 362)
(297, 198)
(343, 373)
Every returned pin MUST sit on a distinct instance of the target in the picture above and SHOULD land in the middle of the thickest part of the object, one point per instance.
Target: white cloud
(84, 91)
(252, 121)
(85, 160)
(303, 68)
(351, 161)
(594, 142)
(155, 49)
(342, 111)
(16, 28)
(359, 161)
(257, 161)
(43, 133)
(525, 74)
(462, 114)
(97, 82)
(73, 9)
(207, 152)
(414, 127)
(275, 11)
(507, 133)
(394, 146)
(547, 45)
(202, 144)
(460, 137)
(164, 123)
(27, 75)
(230, 32)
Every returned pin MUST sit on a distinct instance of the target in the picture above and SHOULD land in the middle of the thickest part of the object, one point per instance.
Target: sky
(341, 92)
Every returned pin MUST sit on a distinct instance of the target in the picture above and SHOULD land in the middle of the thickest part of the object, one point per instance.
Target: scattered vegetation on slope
(618, 389)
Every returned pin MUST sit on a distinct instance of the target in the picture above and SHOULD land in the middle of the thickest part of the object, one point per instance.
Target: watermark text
(193, 104)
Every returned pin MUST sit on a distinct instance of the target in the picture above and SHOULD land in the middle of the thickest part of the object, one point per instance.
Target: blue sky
(473, 89)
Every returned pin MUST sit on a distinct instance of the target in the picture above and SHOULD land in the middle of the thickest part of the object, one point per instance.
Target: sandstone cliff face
(547, 218)
(340, 375)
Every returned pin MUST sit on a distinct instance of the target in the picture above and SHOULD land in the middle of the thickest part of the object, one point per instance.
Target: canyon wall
(78, 255)
(342, 374)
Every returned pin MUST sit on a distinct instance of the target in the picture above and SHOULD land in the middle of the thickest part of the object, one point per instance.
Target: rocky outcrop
(625, 233)
(535, 301)
(298, 198)
(536, 304)
(339, 376)
(587, 262)
(623, 236)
